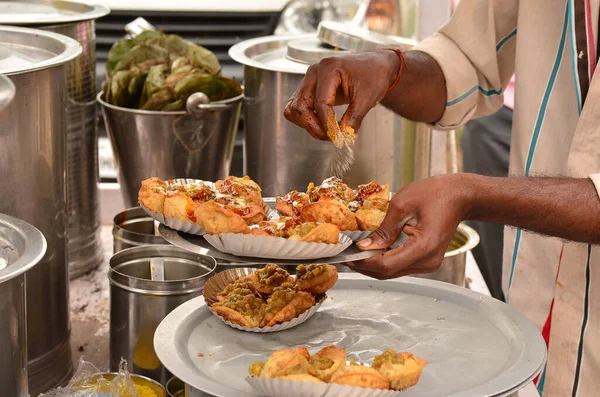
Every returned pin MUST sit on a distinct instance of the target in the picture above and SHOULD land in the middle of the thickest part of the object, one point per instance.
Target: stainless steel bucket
(138, 304)
(197, 144)
(454, 265)
(133, 228)
(75, 20)
(33, 186)
(22, 246)
(281, 156)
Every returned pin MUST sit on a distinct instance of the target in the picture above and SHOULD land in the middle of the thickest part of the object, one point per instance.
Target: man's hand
(428, 211)
(360, 80)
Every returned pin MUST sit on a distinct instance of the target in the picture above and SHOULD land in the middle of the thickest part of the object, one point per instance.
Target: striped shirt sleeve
(476, 51)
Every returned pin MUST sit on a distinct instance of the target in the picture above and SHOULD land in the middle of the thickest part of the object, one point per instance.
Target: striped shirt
(550, 46)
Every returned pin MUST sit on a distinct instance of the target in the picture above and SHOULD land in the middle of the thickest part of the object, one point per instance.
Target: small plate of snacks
(268, 299)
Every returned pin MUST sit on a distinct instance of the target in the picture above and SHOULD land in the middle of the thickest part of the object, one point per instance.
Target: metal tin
(311, 50)
(33, 186)
(132, 228)
(194, 144)
(7, 91)
(175, 388)
(353, 38)
(138, 304)
(74, 20)
(47, 12)
(22, 246)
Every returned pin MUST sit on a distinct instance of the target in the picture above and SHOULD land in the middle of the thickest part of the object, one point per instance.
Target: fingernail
(365, 243)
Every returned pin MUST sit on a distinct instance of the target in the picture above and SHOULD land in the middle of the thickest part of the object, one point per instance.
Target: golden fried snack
(316, 279)
(244, 188)
(268, 278)
(285, 304)
(287, 362)
(241, 282)
(311, 232)
(241, 306)
(152, 194)
(198, 191)
(332, 188)
(361, 376)
(372, 191)
(256, 368)
(327, 361)
(302, 378)
(337, 134)
(369, 219)
(215, 219)
(180, 206)
(291, 204)
(403, 370)
(250, 213)
(329, 211)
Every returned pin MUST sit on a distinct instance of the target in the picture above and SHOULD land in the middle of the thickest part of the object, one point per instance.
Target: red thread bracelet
(402, 62)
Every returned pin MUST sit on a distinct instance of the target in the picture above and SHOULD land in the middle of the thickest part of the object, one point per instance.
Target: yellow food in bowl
(145, 391)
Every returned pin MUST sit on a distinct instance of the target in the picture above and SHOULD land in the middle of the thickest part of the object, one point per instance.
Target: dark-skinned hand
(359, 80)
(428, 212)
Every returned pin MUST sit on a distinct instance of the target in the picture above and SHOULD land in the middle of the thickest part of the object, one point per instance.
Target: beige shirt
(550, 45)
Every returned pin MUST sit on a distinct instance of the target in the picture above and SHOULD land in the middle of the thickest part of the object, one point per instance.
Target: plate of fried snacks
(356, 212)
(294, 372)
(197, 207)
(474, 345)
(233, 217)
(268, 299)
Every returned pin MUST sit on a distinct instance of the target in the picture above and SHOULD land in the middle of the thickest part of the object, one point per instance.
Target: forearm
(568, 208)
(421, 93)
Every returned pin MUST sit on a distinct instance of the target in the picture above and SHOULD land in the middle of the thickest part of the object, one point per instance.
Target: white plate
(475, 345)
(270, 247)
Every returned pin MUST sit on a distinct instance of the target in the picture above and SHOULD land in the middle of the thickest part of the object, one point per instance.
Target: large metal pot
(197, 143)
(22, 246)
(281, 156)
(7, 91)
(33, 186)
(75, 20)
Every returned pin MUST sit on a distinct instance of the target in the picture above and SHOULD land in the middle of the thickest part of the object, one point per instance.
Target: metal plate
(311, 50)
(475, 345)
(7, 91)
(24, 50)
(353, 38)
(198, 245)
(47, 12)
(22, 246)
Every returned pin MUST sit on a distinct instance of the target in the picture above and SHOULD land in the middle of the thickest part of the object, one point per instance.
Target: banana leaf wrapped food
(158, 71)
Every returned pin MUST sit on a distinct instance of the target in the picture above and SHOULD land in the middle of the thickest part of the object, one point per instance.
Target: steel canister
(74, 20)
(133, 228)
(138, 303)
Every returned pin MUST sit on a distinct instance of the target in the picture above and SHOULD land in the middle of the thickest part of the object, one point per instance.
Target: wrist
(392, 64)
(469, 190)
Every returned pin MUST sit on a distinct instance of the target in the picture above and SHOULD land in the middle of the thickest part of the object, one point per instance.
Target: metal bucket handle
(198, 103)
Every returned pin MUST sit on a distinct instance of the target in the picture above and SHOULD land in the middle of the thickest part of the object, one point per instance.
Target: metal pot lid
(22, 246)
(24, 50)
(354, 38)
(7, 91)
(47, 12)
(311, 50)
(269, 53)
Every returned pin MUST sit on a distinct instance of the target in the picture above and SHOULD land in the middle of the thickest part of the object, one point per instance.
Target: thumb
(386, 234)
(356, 112)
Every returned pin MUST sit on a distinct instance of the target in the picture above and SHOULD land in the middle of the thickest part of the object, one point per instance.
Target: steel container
(7, 91)
(22, 247)
(33, 186)
(454, 264)
(138, 304)
(188, 144)
(133, 228)
(280, 156)
(75, 20)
